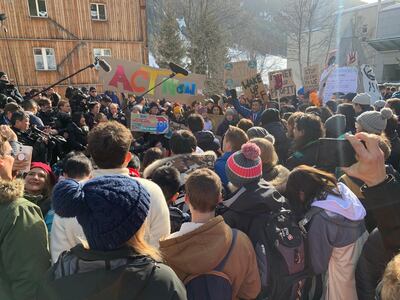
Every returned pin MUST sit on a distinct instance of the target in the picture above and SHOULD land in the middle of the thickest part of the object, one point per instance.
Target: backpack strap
(307, 218)
(221, 265)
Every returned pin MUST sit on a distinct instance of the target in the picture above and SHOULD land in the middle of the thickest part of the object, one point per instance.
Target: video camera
(77, 99)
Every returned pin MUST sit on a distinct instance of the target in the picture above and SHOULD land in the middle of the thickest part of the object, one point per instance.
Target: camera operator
(77, 99)
(41, 145)
(8, 89)
(105, 103)
(53, 96)
(63, 117)
(93, 96)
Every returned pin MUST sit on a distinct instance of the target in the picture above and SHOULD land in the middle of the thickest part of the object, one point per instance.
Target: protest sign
(288, 87)
(134, 78)
(370, 84)
(216, 120)
(235, 72)
(253, 87)
(340, 80)
(149, 123)
(311, 78)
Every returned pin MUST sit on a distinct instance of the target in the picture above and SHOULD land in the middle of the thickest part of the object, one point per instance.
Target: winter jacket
(69, 233)
(371, 265)
(247, 113)
(224, 126)
(43, 202)
(282, 142)
(24, 254)
(307, 155)
(185, 163)
(220, 164)
(207, 141)
(89, 119)
(121, 274)
(336, 235)
(120, 118)
(394, 158)
(251, 200)
(35, 121)
(383, 200)
(77, 137)
(202, 249)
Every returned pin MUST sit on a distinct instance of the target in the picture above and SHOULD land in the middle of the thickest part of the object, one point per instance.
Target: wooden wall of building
(70, 31)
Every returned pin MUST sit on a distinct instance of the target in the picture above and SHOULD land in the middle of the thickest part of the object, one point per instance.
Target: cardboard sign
(134, 78)
(253, 87)
(288, 87)
(235, 72)
(311, 78)
(341, 79)
(149, 123)
(370, 84)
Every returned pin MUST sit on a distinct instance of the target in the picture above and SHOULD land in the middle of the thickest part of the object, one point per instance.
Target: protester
(254, 114)
(272, 172)
(271, 121)
(201, 245)
(373, 121)
(208, 126)
(245, 124)
(112, 211)
(362, 103)
(205, 138)
(229, 120)
(307, 130)
(260, 132)
(336, 233)
(23, 236)
(335, 126)
(348, 111)
(116, 115)
(233, 140)
(150, 156)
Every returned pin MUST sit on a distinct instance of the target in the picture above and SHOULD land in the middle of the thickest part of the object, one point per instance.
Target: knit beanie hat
(379, 104)
(335, 126)
(374, 121)
(362, 99)
(46, 168)
(177, 110)
(260, 132)
(244, 166)
(110, 209)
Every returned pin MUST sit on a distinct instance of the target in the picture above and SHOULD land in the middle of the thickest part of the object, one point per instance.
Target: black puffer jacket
(120, 275)
(206, 140)
(77, 138)
(282, 142)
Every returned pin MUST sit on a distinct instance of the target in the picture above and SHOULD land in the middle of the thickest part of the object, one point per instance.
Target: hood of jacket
(198, 251)
(346, 205)
(11, 190)
(185, 163)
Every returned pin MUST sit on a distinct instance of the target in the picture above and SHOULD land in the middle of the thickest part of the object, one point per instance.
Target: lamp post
(3, 17)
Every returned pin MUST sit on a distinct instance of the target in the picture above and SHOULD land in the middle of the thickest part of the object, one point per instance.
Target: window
(101, 52)
(98, 11)
(37, 8)
(44, 59)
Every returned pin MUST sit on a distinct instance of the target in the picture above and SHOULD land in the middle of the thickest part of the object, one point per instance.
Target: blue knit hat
(110, 209)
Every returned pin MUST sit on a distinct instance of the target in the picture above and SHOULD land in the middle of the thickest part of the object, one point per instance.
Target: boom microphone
(178, 69)
(104, 65)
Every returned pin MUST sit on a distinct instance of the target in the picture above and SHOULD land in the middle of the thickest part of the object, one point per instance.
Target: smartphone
(335, 153)
(23, 155)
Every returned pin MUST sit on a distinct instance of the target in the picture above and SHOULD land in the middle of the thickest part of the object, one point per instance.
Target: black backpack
(281, 255)
(213, 285)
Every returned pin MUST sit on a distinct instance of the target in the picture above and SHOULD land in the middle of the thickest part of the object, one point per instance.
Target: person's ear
(128, 158)
(174, 197)
(220, 199)
(187, 199)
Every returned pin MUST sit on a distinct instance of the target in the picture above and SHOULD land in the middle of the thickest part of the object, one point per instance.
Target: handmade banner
(340, 80)
(149, 123)
(288, 87)
(253, 87)
(134, 78)
(370, 84)
(236, 71)
(311, 78)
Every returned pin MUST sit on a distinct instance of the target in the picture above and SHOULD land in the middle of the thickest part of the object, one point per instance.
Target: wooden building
(50, 39)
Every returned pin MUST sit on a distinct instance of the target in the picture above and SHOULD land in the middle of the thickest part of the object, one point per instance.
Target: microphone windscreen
(104, 65)
(178, 69)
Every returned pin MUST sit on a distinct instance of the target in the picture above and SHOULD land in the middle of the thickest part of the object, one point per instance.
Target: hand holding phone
(333, 153)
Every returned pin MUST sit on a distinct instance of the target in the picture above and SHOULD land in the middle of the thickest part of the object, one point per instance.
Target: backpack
(280, 251)
(213, 285)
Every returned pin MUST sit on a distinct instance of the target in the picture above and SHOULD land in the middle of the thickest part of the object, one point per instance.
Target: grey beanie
(260, 132)
(362, 99)
(335, 126)
(374, 121)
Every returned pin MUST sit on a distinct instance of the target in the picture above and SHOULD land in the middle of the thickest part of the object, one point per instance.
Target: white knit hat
(374, 121)
(362, 99)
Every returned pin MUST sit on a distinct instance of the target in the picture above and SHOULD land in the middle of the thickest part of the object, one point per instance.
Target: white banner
(370, 84)
(340, 80)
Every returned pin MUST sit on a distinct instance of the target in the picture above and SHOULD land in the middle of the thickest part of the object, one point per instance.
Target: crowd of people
(235, 210)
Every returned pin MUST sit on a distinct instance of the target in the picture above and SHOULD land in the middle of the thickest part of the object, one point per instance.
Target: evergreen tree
(169, 44)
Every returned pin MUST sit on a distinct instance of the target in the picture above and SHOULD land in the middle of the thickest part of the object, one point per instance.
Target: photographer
(46, 113)
(77, 99)
(9, 89)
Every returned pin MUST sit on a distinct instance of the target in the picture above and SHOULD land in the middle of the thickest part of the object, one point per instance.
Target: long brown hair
(138, 243)
(305, 184)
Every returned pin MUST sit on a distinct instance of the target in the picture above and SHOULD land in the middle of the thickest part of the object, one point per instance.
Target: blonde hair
(138, 243)
(391, 280)
(268, 153)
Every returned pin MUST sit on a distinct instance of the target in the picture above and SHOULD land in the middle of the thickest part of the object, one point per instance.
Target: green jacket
(24, 254)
